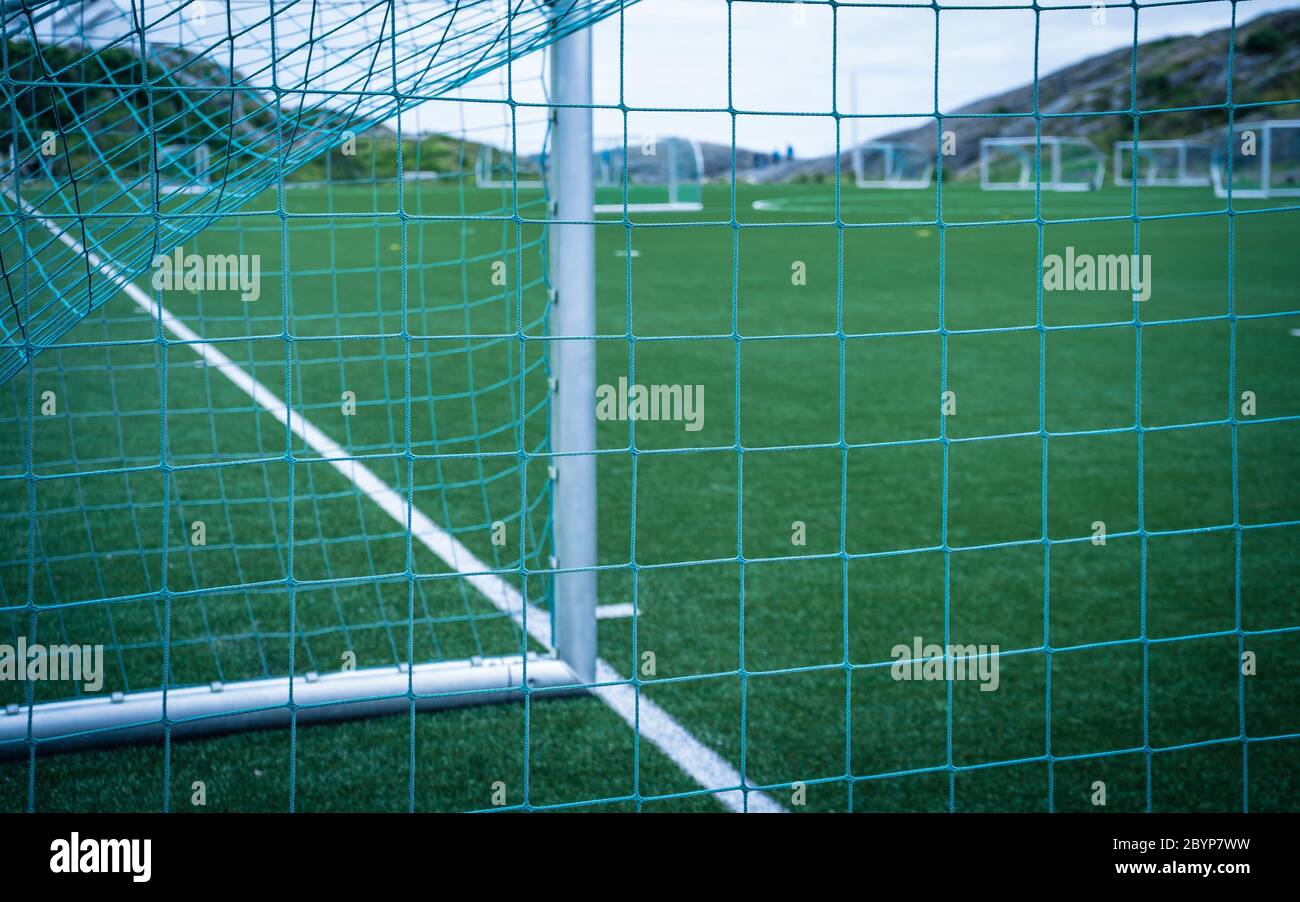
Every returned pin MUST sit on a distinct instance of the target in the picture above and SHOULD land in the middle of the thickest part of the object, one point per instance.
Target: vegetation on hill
(82, 93)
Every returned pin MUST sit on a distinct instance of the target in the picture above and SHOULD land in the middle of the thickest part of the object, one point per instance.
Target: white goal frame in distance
(1181, 178)
(1050, 164)
(195, 175)
(1264, 151)
(889, 148)
(485, 178)
(891, 151)
(673, 147)
(175, 175)
(567, 667)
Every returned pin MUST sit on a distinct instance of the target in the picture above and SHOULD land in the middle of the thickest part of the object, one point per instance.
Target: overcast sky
(675, 56)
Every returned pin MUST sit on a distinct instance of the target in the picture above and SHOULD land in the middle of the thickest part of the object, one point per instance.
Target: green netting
(1121, 660)
(213, 544)
(137, 124)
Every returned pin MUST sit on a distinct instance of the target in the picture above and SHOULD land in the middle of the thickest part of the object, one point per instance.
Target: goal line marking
(652, 722)
(614, 610)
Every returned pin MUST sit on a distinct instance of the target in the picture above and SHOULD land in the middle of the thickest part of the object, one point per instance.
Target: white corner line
(701, 763)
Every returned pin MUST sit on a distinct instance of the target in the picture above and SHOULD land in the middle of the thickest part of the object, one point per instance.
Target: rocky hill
(1173, 72)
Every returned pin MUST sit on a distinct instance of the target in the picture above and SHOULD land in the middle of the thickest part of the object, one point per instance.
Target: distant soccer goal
(1259, 159)
(496, 169)
(660, 175)
(184, 169)
(1065, 164)
(1163, 164)
(892, 164)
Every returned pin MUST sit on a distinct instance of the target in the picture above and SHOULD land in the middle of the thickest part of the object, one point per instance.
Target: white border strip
(702, 764)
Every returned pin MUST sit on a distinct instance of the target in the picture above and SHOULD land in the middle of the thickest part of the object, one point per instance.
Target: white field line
(701, 763)
(615, 611)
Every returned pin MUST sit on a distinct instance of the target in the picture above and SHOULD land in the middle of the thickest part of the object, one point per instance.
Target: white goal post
(1258, 159)
(892, 164)
(1066, 164)
(1171, 163)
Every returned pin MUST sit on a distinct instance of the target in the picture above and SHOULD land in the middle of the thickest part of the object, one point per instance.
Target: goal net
(1259, 159)
(889, 164)
(280, 455)
(1049, 164)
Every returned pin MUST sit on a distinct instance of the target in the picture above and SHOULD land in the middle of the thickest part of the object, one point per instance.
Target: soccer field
(824, 335)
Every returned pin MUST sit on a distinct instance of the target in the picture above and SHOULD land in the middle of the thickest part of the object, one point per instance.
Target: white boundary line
(614, 611)
(655, 724)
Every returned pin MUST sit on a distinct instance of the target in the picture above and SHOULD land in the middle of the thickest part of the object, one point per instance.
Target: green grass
(799, 426)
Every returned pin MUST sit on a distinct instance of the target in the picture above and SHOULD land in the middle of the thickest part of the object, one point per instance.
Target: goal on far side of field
(1171, 163)
(1258, 159)
(892, 164)
(1015, 164)
(660, 175)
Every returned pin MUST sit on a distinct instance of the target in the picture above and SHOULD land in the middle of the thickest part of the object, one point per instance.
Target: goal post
(572, 347)
(1258, 160)
(1162, 164)
(892, 164)
(1049, 163)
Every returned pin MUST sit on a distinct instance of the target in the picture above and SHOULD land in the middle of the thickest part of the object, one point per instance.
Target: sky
(785, 59)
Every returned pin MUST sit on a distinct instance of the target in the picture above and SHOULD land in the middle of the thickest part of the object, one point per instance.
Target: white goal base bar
(264, 703)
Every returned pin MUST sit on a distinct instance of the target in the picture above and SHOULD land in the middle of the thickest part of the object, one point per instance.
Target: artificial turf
(822, 406)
